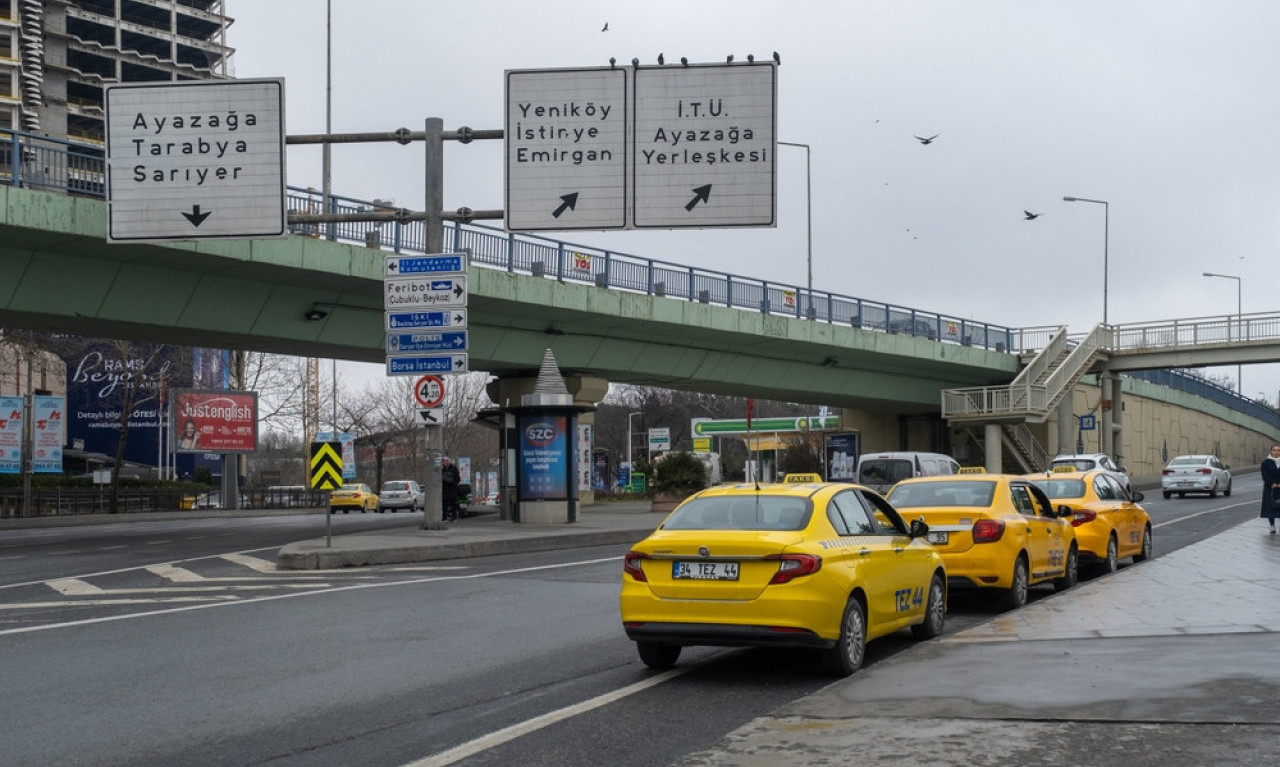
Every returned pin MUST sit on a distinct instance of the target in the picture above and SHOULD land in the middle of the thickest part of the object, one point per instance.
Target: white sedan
(1196, 474)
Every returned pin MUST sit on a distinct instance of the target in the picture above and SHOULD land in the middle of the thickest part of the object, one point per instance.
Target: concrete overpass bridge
(605, 315)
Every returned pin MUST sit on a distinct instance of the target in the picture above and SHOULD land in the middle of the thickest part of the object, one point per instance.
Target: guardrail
(40, 162)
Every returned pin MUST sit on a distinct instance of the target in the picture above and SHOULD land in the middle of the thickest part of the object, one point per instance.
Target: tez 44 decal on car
(905, 599)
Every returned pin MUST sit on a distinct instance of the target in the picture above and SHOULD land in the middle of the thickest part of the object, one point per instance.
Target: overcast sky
(1165, 109)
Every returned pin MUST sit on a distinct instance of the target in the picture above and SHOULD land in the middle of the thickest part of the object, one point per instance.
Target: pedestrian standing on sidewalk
(1271, 486)
(450, 478)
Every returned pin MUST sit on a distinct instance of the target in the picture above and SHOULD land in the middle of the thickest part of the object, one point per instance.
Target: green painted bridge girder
(59, 274)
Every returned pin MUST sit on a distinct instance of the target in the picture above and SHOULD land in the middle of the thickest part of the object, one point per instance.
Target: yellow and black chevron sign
(326, 465)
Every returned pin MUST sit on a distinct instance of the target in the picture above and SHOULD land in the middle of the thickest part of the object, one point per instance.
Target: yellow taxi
(1109, 525)
(355, 495)
(828, 566)
(994, 531)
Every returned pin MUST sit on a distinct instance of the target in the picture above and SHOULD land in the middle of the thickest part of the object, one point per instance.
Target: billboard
(841, 450)
(545, 458)
(11, 435)
(215, 421)
(49, 434)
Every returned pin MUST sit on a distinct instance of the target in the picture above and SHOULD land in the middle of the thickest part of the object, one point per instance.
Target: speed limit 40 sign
(428, 391)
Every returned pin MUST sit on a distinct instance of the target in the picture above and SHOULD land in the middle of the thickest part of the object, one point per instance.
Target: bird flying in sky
(1030, 216)
(924, 140)
(605, 28)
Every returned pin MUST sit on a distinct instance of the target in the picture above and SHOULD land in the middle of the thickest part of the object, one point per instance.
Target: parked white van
(881, 471)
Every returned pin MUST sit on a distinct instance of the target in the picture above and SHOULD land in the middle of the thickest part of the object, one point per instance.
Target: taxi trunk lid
(950, 529)
(738, 564)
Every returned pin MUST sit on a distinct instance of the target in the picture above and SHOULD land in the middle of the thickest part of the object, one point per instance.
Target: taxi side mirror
(1137, 496)
(1065, 512)
(918, 528)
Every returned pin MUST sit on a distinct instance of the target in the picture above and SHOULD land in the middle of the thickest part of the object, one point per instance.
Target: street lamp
(1239, 322)
(808, 204)
(629, 440)
(1106, 225)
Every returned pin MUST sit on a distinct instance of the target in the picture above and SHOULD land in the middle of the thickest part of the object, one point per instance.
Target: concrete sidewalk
(1171, 663)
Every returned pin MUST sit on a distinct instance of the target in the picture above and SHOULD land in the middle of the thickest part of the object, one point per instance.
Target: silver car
(1196, 474)
(1092, 461)
(399, 494)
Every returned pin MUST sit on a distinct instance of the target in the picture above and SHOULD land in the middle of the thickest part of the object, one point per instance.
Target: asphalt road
(177, 643)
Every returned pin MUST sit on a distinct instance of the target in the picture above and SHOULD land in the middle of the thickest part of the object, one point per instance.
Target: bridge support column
(1105, 444)
(1117, 419)
(993, 460)
(508, 392)
(1067, 425)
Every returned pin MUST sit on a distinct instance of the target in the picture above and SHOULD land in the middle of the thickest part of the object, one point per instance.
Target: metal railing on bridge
(50, 164)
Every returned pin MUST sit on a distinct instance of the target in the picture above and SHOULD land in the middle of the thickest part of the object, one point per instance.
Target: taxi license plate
(940, 538)
(705, 571)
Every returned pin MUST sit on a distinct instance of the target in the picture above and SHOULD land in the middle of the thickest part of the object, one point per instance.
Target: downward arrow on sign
(195, 216)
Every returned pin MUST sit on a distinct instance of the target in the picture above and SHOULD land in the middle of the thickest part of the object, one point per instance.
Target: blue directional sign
(456, 319)
(406, 365)
(416, 343)
(407, 265)
(425, 293)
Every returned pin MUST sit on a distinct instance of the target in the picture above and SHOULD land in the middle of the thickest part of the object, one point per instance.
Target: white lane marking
(175, 574)
(426, 568)
(296, 594)
(498, 737)
(1202, 513)
(113, 602)
(136, 567)
(253, 563)
(73, 587)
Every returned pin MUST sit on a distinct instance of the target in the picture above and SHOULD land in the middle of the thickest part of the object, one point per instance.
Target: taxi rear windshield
(977, 493)
(755, 512)
(1080, 464)
(1061, 488)
(885, 471)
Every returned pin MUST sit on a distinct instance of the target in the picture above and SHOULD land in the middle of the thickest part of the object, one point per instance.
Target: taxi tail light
(631, 565)
(792, 566)
(1082, 516)
(988, 530)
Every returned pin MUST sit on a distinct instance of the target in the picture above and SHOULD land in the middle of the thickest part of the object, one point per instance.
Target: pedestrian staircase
(1032, 397)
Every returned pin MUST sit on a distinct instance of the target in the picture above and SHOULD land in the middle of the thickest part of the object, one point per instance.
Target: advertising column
(547, 472)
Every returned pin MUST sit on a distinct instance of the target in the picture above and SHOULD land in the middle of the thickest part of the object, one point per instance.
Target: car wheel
(935, 611)
(1227, 493)
(1072, 575)
(1213, 491)
(1146, 546)
(1112, 561)
(846, 657)
(1016, 595)
(1167, 495)
(658, 655)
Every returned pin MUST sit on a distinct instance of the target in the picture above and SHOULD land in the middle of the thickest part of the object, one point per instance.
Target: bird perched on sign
(927, 141)
(1030, 216)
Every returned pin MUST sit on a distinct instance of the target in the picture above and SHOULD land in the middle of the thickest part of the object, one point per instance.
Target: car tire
(658, 655)
(851, 647)
(1167, 495)
(1145, 554)
(1213, 491)
(1227, 493)
(1016, 595)
(1072, 576)
(935, 611)
(1111, 562)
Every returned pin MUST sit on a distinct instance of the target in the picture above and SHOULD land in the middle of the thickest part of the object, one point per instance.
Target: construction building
(56, 56)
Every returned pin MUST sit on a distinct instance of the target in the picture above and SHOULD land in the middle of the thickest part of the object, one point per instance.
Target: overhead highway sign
(195, 160)
(566, 146)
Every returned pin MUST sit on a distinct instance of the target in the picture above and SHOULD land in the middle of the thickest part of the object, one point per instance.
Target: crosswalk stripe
(253, 563)
(73, 586)
(175, 574)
